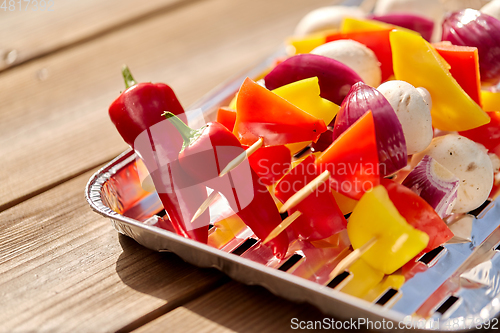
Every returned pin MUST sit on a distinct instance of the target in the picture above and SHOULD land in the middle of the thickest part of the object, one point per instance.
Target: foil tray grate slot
(480, 211)
(431, 257)
(245, 246)
(447, 305)
(210, 226)
(162, 213)
(497, 247)
(386, 297)
(294, 259)
(338, 280)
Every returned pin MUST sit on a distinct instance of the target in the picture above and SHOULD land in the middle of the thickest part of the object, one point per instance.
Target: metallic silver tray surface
(459, 289)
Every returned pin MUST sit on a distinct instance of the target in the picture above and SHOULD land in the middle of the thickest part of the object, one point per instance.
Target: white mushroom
(492, 8)
(426, 95)
(355, 55)
(413, 113)
(454, 5)
(326, 18)
(466, 160)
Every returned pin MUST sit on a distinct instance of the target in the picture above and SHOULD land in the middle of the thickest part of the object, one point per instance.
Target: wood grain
(28, 31)
(64, 268)
(54, 109)
(235, 308)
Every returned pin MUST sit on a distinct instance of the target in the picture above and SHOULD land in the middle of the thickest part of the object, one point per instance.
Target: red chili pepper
(206, 151)
(418, 213)
(321, 216)
(271, 163)
(136, 114)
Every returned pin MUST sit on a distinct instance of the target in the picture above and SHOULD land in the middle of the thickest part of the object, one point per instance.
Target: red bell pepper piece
(271, 163)
(488, 135)
(321, 216)
(352, 159)
(226, 117)
(377, 41)
(418, 213)
(464, 62)
(261, 113)
(136, 114)
(204, 155)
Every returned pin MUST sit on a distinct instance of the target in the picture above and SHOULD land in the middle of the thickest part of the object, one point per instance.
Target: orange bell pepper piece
(261, 113)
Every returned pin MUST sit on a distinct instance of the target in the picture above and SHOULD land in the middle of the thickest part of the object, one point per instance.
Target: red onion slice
(470, 27)
(335, 78)
(435, 184)
(418, 23)
(391, 144)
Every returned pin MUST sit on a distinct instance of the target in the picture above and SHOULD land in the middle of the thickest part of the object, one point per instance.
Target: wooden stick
(351, 258)
(208, 201)
(305, 191)
(282, 226)
(241, 157)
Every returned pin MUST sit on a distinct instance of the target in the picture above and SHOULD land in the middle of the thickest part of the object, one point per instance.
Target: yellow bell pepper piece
(394, 281)
(491, 101)
(417, 62)
(350, 24)
(308, 43)
(225, 230)
(304, 94)
(375, 216)
(345, 203)
(364, 278)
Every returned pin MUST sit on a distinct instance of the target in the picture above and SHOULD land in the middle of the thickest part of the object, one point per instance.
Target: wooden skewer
(282, 226)
(211, 198)
(351, 258)
(305, 191)
(241, 157)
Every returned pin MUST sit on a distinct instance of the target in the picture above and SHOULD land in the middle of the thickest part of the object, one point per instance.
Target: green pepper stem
(127, 76)
(185, 131)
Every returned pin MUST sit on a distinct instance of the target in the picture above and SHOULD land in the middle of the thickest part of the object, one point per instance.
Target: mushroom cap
(466, 160)
(326, 18)
(492, 8)
(355, 55)
(413, 113)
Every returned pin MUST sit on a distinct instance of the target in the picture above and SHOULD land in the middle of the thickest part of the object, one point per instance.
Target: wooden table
(63, 267)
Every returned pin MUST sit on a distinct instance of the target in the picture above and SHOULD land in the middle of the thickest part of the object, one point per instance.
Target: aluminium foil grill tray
(459, 289)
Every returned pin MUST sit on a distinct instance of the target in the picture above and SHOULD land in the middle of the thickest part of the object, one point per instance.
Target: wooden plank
(64, 268)
(236, 308)
(54, 120)
(30, 29)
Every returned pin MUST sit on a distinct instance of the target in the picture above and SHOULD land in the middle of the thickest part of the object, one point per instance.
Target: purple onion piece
(335, 78)
(435, 184)
(391, 144)
(470, 27)
(418, 23)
